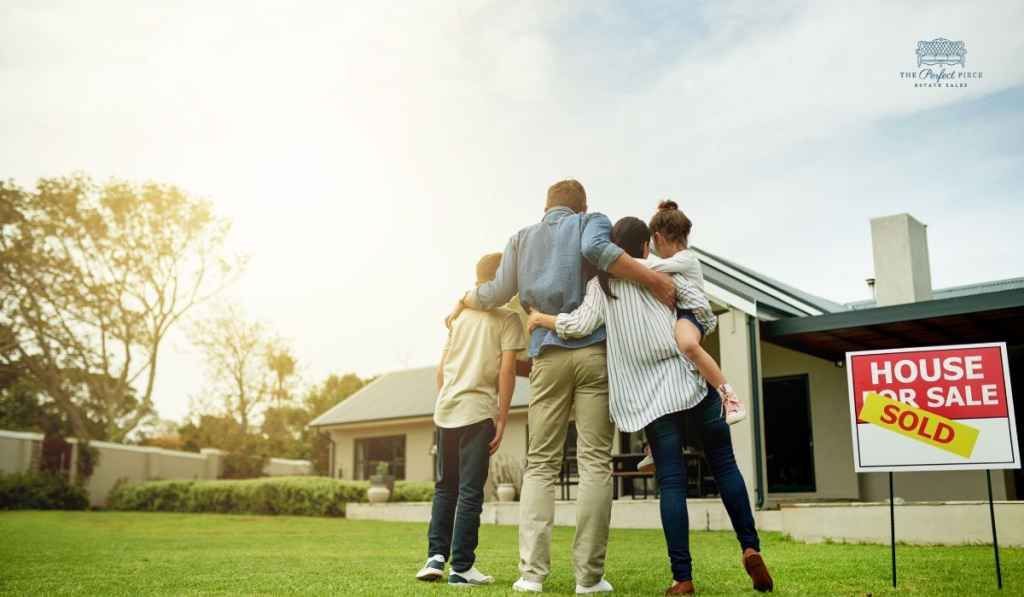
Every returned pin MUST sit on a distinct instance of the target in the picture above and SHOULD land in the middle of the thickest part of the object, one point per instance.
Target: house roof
(399, 395)
(963, 319)
(773, 299)
(956, 291)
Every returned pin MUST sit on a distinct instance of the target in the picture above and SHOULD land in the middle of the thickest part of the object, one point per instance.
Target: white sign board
(932, 408)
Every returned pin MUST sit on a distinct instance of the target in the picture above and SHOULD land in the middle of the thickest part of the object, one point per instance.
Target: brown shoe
(758, 571)
(681, 588)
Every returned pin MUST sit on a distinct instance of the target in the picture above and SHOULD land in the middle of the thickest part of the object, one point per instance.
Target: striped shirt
(647, 375)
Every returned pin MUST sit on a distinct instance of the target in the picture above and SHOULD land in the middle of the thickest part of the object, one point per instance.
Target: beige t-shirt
(475, 343)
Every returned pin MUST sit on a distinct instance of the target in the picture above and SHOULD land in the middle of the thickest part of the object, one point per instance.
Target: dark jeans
(665, 436)
(463, 457)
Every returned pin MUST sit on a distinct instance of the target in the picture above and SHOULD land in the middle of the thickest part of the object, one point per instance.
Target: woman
(651, 384)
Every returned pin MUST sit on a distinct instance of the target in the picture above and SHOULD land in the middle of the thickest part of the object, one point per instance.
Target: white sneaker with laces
(433, 569)
(603, 586)
(527, 586)
(731, 405)
(469, 578)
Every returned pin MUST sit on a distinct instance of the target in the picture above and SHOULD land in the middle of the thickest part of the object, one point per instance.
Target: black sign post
(995, 540)
(892, 529)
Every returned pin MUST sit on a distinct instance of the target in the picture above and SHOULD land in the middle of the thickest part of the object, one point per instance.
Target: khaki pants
(562, 379)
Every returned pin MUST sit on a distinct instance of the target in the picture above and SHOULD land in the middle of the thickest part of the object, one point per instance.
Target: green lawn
(94, 553)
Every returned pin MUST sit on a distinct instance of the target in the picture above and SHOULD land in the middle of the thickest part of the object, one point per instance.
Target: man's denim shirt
(543, 263)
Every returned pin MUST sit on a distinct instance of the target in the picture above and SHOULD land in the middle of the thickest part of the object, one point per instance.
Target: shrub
(298, 496)
(244, 465)
(301, 496)
(40, 491)
(413, 491)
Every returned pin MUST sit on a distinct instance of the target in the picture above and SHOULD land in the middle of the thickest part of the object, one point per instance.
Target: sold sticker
(919, 424)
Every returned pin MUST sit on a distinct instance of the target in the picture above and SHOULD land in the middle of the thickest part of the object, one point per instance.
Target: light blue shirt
(544, 263)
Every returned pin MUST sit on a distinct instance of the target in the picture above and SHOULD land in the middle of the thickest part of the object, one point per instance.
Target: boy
(475, 382)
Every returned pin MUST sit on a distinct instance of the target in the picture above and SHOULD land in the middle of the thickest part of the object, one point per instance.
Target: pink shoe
(732, 408)
(647, 464)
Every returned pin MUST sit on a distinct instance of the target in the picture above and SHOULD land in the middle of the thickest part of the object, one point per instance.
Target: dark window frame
(358, 468)
(805, 378)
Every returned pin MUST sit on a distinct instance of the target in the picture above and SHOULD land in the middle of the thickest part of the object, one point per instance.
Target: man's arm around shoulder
(598, 248)
(505, 285)
(496, 292)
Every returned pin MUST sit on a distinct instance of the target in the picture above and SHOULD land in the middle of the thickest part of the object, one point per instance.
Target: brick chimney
(902, 271)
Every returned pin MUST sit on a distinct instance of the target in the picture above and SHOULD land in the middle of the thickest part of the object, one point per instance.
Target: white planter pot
(377, 494)
(506, 492)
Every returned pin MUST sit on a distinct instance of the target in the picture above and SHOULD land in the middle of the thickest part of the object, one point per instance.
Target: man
(544, 264)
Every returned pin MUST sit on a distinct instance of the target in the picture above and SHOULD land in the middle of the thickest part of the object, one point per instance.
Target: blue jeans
(463, 458)
(665, 436)
(688, 315)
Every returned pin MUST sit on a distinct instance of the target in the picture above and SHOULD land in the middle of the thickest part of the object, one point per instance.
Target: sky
(368, 155)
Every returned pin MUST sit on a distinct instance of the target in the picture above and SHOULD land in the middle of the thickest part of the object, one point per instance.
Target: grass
(106, 553)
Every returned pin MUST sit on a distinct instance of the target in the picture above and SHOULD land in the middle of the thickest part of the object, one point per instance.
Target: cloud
(369, 154)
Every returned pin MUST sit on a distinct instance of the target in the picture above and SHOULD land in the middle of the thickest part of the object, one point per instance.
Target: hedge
(412, 491)
(300, 496)
(40, 491)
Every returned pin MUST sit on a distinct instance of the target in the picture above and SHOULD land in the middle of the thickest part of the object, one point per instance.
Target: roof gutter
(962, 305)
(399, 420)
(776, 292)
(755, 403)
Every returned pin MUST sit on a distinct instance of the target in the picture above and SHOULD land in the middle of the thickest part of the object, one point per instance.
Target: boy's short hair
(567, 193)
(487, 267)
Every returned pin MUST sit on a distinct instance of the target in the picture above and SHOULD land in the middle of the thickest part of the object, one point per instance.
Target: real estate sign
(932, 408)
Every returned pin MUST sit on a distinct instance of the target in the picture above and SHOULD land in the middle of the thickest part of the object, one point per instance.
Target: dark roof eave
(410, 418)
(894, 313)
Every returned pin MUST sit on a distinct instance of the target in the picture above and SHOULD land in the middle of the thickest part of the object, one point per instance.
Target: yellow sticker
(919, 424)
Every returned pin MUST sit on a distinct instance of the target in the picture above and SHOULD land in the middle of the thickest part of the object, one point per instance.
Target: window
(371, 451)
(788, 438)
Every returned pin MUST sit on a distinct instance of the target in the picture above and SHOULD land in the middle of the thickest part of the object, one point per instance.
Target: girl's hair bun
(667, 204)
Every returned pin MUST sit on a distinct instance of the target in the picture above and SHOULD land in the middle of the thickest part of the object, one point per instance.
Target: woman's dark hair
(671, 223)
(629, 233)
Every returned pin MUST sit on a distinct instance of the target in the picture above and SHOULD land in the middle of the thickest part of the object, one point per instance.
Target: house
(391, 420)
(783, 350)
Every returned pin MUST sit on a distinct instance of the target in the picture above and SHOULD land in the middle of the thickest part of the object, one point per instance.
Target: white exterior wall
(834, 476)
(419, 438)
(733, 341)
(135, 463)
(16, 451)
(284, 467)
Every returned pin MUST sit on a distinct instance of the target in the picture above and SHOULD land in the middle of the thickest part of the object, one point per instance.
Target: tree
(282, 363)
(319, 400)
(235, 351)
(92, 278)
(210, 431)
(20, 407)
(284, 429)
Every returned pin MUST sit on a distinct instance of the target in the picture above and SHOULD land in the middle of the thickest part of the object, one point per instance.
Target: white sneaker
(469, 578)
(731, 405)
(433, 569)
(602, 586)
(527, 586)
(646, 465)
